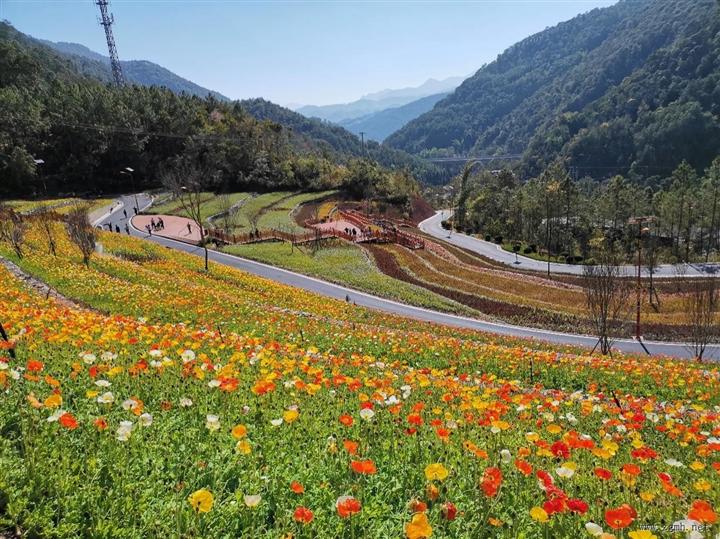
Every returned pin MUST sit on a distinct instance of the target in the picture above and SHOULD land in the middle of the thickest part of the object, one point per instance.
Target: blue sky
(300, 52)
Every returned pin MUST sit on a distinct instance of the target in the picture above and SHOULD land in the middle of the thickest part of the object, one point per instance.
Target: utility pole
(362, 142)
(639, 221)
(106, 21)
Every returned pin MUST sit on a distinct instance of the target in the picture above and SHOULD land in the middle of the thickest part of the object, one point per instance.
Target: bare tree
(188, 182)
(46, 223)
(81, 232)
(12, 229)
(607, 296)
(700, 310)
(227, 212)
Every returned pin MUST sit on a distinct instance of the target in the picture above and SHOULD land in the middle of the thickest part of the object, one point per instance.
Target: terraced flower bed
(215, 404)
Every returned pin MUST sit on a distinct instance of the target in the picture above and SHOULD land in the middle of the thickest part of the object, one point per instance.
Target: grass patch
(346, 265)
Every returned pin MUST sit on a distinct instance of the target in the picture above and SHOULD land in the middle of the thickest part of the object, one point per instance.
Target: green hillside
(87, 132)
(333, 140)
(632, 87)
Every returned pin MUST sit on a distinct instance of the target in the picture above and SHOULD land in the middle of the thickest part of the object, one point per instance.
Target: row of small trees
(564, 214)
(608, 293)
(14, 227)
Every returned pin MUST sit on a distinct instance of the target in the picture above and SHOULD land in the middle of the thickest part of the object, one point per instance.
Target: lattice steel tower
(106, 20)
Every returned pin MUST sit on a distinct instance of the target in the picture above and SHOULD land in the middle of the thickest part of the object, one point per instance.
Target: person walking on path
(117, 229)
(127, 229)
(189, 229)
(125, 213)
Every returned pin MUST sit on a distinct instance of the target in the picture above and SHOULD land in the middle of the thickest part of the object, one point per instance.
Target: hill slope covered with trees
(87, 132)
(139, 72)
(632, 87)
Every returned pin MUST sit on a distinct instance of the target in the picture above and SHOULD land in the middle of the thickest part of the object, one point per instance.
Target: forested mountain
(632, 87)
(136, 71)
(87, 132)
(333, 139)
(378, 101)
(378, 125)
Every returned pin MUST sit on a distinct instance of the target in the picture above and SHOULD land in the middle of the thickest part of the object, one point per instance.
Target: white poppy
(212, 422)
(124, 431)
(252, 500)
(106, 398)
(146, 419)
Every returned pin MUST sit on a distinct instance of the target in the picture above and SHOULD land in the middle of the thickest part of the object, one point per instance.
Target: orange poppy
(68, 421)
(297, 488)
(350, 446)
(702, 511)
(346, 420)
(620, 517)
(365, 467)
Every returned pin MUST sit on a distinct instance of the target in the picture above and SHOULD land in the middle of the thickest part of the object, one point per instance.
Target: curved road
(373, 302)
(493, 251)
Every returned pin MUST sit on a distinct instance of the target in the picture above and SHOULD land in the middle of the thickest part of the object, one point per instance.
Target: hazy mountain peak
(379, 101)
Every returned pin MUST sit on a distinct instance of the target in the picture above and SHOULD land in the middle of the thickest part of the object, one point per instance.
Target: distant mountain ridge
(378, 101)
(140, 72)
(379, 125)
(631, 87)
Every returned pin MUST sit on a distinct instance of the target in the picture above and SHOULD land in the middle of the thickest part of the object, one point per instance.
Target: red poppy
(449, 511)
(100, 423)
(556, 504)
(602, 473)
(524, 467)
(415, 419)
(417, 506)
(365, 467)
(491, 481)
(297, 488)
(303, 514)
(346, 420)
(577, 506)
(68, 421)
(560, 449)
(620, 517)
(643, 453)
(34, 365)
(347, 506)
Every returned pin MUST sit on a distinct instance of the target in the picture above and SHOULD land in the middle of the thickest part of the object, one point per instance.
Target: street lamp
(39, 162)
(640, 222)
(129, 172)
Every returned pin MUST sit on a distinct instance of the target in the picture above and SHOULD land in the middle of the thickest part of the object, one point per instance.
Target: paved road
(493, 251)
(373, 302)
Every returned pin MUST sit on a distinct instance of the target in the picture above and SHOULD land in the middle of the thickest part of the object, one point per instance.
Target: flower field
(180, 403)
(523, 298)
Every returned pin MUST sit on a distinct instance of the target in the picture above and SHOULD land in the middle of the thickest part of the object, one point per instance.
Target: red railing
(369, 232)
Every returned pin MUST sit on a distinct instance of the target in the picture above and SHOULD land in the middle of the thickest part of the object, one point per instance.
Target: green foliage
(634, 87)
(87, 133)
(565, 216)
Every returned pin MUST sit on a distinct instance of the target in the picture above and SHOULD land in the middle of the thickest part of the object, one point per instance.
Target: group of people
(117, 228)
(155, 225)
(351, 231)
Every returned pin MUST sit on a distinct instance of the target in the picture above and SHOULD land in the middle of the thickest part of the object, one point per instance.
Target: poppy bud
(449, 511)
